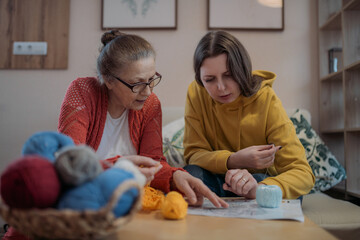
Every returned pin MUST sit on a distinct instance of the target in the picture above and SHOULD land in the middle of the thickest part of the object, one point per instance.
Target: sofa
(339, 217)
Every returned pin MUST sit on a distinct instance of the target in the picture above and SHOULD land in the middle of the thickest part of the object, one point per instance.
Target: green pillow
(327, 170)
(173, 136)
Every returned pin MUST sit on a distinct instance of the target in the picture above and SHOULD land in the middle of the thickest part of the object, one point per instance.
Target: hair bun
(110, 35)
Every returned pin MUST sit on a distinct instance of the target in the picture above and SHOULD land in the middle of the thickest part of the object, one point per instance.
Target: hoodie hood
(267, 82)
(269, 78)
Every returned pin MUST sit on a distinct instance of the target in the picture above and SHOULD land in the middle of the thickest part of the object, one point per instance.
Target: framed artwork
(139, 14)
(246, 14)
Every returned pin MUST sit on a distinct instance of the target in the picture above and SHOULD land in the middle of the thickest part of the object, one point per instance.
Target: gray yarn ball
(77, 164)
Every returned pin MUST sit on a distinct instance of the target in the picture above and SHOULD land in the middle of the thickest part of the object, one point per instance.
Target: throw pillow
(173, 136)
(327, 170)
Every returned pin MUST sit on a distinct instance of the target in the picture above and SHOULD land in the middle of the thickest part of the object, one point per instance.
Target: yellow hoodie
(213, 131)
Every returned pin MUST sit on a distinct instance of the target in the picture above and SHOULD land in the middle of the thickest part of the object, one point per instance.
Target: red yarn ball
(30, 182)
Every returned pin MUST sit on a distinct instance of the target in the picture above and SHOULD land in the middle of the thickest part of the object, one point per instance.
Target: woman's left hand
(240, 182)
(195, 190)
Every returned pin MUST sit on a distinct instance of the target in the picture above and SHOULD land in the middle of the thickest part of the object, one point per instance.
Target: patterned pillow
(327, 170)
(173, 136)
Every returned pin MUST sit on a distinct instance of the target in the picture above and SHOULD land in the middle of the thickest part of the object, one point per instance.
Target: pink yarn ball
(30, 182)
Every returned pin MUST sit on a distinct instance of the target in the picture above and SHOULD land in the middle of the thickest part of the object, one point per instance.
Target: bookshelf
(339, 87)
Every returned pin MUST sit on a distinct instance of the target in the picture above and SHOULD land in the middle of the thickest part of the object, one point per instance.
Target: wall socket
(30, 48)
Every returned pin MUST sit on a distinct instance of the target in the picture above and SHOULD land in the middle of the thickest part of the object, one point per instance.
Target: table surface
(153, 226)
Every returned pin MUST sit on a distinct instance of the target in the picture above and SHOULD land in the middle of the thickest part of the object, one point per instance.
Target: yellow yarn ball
(174, 206)
(152, 199)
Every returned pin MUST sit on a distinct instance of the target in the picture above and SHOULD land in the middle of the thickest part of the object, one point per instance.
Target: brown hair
(119, 50)
(238, 60)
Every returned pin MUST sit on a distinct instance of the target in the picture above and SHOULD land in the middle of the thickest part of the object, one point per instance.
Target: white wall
(30, 99)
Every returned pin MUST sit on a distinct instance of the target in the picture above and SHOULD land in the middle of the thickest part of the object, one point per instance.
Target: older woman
(118, 115)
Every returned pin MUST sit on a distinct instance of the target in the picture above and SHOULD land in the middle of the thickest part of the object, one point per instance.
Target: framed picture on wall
(246, 14)
(139, 14)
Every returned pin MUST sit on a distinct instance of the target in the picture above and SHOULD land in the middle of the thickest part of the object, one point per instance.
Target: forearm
(213, 161)
(163, 179)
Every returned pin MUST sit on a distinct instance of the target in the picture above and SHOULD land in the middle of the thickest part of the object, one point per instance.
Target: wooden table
(148, 226)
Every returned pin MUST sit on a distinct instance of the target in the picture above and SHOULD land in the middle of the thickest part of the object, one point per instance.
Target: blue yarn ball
(268, 196)
(46, 144)
(96, 193)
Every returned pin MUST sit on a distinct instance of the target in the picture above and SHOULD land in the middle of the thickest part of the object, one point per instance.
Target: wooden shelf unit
(339, 94)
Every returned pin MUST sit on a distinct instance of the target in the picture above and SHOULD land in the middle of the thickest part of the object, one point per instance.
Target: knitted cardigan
(83, 115)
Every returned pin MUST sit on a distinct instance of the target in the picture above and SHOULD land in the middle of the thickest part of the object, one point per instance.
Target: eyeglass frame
(131, 86)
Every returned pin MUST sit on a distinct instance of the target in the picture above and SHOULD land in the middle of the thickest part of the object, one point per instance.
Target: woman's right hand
(257, 157)
(147, 166)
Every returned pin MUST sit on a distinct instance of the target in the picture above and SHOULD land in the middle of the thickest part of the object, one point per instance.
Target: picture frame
(139, 14)
(246, 15)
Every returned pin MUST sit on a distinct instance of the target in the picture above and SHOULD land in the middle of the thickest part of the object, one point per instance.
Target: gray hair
(119, 50)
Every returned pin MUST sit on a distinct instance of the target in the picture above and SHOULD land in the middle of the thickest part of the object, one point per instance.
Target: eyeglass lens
(152, 84)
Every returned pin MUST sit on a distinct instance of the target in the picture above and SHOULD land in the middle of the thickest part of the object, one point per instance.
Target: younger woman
(237, 133)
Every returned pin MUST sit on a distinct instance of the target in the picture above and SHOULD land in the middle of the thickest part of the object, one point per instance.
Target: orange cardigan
(83, 116)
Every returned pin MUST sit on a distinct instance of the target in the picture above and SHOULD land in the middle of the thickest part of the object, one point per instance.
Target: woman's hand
(147, 166)
(240, 182)
(195, 190)
(257, 157)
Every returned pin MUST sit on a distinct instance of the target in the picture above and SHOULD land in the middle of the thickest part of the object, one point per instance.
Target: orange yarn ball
(152, 199)
(174, 206)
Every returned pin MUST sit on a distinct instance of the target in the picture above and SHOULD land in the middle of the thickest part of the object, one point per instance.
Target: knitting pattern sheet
(242, 208)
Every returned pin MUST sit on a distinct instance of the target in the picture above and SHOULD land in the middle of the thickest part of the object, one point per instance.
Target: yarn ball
(46, 144)
(30, 182)
(96, 193)
(127, 165)
(174, 206)
(268, 196)
(77, 164)
(153, 199)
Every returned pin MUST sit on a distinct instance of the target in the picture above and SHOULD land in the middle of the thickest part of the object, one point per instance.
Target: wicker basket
(72, 224)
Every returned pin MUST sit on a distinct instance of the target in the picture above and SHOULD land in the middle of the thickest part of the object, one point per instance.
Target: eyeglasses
(140, 86)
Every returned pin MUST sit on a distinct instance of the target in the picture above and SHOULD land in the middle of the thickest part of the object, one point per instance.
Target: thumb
(226, 187)
(144, 161)
(264, 147)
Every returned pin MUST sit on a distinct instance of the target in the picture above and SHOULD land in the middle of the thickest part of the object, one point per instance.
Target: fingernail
(280, 147)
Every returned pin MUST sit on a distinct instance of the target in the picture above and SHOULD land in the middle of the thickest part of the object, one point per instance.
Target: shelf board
(333, 23)
(327, 131)
(352, 5)
(356, 129)
(353, 66)
(332, 76)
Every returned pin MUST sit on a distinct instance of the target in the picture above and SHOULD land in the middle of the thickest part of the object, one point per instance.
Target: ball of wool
(77, 164)
(29, 182)
(174, 206)
(153, 199)
(96, 193)
(127, 165)
(46, 144)
(268, 196)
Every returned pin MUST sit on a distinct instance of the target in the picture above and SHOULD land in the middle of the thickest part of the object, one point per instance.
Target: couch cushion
(341, 218)
(327, 170)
